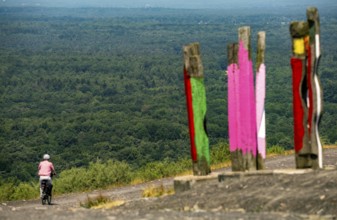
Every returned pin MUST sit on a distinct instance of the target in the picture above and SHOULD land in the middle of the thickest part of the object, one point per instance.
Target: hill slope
(251, 197)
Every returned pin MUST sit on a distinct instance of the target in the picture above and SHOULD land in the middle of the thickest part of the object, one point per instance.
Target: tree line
(88, 86)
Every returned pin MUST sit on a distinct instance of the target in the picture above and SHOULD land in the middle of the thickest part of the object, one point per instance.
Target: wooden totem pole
(233, 106)
(307, 91)
(196, 109)
(244, 116)
(260, 95)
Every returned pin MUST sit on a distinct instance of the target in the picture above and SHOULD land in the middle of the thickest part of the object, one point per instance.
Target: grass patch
(279, 151)
(157, 191)
(275, 150)
(330, 146)
(221, 165)
(109, 205)
(98, 175)
(137, 180)
(95, 201)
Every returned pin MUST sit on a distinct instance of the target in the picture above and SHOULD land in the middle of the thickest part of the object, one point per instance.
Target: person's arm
(38, 169)
(53, 172)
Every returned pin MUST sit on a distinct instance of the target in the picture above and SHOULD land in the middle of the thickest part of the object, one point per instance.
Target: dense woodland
(92, 84)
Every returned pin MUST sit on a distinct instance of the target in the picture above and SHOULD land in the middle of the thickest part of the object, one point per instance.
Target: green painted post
(196, 109)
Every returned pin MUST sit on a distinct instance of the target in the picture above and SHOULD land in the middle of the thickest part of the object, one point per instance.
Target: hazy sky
(167, 3)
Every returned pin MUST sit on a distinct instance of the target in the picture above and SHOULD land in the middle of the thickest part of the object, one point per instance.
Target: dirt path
(173, 207)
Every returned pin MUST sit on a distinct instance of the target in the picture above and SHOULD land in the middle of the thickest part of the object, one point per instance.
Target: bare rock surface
(311, 195)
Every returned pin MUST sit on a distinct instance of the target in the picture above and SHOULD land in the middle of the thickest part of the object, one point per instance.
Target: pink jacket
(46, 168)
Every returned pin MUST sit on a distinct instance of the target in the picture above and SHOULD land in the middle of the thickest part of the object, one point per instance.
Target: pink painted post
(247, 100)
(260, 91)
(232, 107)
(241, 105)
(234, 128)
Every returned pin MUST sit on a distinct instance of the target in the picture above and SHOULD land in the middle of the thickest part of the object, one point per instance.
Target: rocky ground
(311, 195)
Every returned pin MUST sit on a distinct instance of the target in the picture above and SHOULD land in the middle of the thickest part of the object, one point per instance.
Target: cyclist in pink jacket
(46, 170)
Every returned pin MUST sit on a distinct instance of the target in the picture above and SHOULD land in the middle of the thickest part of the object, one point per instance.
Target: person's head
(46, 157)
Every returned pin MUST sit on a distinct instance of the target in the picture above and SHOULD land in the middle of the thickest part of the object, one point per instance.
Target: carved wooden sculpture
(234, 127)
(307, 92)
(241, 104)
(196, 109)
(260, 94)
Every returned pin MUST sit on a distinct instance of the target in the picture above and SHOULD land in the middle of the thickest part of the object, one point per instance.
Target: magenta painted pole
(241, 104)
(247, 100)
(233, 107)
(233, 72)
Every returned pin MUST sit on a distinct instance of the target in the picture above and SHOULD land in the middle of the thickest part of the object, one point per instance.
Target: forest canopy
(94, 84)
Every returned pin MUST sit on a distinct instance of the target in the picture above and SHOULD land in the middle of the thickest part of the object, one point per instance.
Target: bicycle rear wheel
(44, 199)
(49, 199)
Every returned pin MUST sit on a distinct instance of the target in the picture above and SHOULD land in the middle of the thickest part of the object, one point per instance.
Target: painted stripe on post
(199, 114)
(260, 95)
(233, 72)
(188, 93)
(260, 111)
(313, 56)
(247, 102)
(297, 68)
